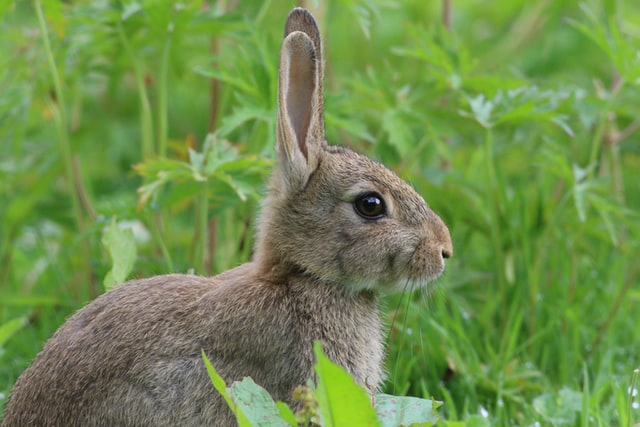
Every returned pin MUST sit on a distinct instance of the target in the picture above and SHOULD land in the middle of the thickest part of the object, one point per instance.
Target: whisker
(407, 287)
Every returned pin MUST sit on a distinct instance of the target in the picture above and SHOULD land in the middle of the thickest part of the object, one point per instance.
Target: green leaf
(478, 421)
(121, 246)
(227, 77)
(256, 404)
(395, 124)
(341, 401)
(287, 414)
(481, 109)
(6, 6)
(561, 408)
(220, 385)
(130, 9)
(55, 16)
(241, 116)
(405, 410)
(8, 329)
(31, 300)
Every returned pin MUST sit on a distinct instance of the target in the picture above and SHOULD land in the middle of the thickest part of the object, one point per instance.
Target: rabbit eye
(370, 206)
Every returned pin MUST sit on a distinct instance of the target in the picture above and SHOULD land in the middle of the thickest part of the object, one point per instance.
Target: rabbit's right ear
(300, 129)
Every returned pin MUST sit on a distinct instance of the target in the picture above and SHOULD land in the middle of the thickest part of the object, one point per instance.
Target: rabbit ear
(300, 122)
(301, 20)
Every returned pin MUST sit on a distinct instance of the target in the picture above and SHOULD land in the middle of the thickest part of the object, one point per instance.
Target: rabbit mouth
(406, 272)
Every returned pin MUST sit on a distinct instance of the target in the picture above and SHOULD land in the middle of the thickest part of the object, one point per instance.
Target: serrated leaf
(405, 410)
(240, 116)
(481, 109)
(121, 246)
(227, 77)
(395, 125)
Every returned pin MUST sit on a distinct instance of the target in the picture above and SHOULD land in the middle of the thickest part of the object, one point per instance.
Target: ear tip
(300, 13)
(300, 19)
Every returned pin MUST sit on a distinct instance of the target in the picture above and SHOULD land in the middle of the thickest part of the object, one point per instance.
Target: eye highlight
(370, 206)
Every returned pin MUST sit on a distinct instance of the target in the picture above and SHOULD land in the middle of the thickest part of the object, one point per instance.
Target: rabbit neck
(346, 322)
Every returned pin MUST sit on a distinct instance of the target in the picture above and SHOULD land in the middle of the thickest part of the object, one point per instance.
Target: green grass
(517, 121)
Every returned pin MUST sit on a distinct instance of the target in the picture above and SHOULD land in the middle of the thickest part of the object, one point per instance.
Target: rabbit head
(332, 213)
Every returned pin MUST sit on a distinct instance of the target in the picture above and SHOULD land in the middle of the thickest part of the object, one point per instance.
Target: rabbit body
(335, 230)
(100, 370)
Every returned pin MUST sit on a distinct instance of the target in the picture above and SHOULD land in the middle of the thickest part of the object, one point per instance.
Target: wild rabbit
(335, 230)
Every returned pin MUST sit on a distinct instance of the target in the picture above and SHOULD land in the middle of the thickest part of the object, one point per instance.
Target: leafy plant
(339, 401)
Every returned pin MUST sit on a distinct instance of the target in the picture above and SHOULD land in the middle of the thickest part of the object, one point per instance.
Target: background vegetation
(518, 121)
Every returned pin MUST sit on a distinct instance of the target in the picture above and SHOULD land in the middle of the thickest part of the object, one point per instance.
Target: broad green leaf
(287, 414)
(561, 408)
(341, 401)
(405, 410)
(256, 404)
(472, 421)
(121, 246)
(220, 385)
(478, 421)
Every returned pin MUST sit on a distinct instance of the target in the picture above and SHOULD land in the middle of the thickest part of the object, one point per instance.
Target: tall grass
(517, 121)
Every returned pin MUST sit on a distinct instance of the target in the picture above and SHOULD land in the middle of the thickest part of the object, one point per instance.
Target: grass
(517, 121)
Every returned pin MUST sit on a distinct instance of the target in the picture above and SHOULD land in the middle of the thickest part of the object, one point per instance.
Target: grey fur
(132, 356)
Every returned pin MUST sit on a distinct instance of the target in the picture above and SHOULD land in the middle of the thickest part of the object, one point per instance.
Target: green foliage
(337, 401)
(340, 400)
(517, 121)
(122, 250)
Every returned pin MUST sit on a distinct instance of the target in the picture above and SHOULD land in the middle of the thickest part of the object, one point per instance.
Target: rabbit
(335, 232)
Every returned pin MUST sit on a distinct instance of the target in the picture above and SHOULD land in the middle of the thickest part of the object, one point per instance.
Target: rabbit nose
(446, 247)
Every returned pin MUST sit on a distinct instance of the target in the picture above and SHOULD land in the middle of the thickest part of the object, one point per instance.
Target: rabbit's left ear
(300, 129)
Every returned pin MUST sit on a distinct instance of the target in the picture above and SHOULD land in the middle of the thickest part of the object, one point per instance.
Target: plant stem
(146, 120)
(621, 297)
(156, 232)
(201, 227)
(446, 14)
(58, 107)
(162, 95)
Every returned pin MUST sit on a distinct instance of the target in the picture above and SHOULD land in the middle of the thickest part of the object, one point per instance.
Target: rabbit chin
(389, 287)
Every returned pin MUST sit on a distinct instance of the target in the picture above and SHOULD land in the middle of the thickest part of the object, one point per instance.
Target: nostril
(446, 254)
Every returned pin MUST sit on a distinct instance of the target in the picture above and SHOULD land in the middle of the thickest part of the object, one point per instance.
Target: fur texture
(132, 356)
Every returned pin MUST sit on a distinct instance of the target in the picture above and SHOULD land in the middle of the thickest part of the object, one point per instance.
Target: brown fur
(132, 356)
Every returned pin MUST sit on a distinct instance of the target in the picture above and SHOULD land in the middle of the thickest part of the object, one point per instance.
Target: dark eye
(370, 206)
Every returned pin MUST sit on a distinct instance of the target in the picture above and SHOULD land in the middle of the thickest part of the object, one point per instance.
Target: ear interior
(298, 84)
